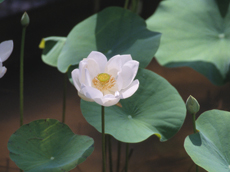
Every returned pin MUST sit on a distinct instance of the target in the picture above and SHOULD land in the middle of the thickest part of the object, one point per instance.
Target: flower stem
(110, 154)
(195, 131)
(22, 74)
(103, 138)
(118, 155)
(64, 98)
(127, 157)
(126, 4)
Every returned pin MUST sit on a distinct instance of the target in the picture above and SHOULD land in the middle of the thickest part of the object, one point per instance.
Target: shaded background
(44, 86)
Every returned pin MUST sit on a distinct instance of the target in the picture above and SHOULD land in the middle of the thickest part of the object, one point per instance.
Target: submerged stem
(103, 138)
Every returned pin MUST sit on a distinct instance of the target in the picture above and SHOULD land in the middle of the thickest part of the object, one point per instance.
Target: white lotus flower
(6, 49)
(106, 82)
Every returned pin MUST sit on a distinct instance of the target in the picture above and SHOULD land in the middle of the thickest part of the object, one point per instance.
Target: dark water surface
(43, 94)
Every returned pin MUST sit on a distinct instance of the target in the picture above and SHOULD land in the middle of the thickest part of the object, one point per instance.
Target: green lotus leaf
(210, 147)
(48, 146)
(1, 1)
(156, 108)
(52, 47)
(194, 34)
(112, 31)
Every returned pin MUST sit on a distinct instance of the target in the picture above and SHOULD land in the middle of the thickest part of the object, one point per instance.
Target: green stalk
(193, 107)
(118, 155)
(110, 154)
(22, 74)
(194, 123)
(126, 4)
(64, 98)
(24, 22)
(195, 131)
(103, 138)
(135, 5)
(127, 157)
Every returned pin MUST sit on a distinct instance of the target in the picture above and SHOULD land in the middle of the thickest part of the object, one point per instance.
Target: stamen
(103, 82)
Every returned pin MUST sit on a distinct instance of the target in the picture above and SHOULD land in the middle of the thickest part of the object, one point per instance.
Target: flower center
(103, 77)
(104, 82)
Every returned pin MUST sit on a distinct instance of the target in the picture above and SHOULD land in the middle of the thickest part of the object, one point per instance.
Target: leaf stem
(103, 138)
(64, 98)
(126, 4)
(194, 123)
(127, 157)
(118, 155)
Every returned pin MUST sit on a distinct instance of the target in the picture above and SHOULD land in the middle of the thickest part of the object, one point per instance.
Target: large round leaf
(112, 31)
(210, 147)
(48, 146)
(194, 34)
(156, 108)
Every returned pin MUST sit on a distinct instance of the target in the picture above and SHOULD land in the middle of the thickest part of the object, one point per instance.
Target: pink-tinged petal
(2, 70)
(127, 74)
(107, 100)
(91, 92)
(99, 58)
(129, 91)
(75, 78)
(115, 64)
(6, 49)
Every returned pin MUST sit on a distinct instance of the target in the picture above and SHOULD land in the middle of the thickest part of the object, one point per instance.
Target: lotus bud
(25, 20)
(192, 105)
